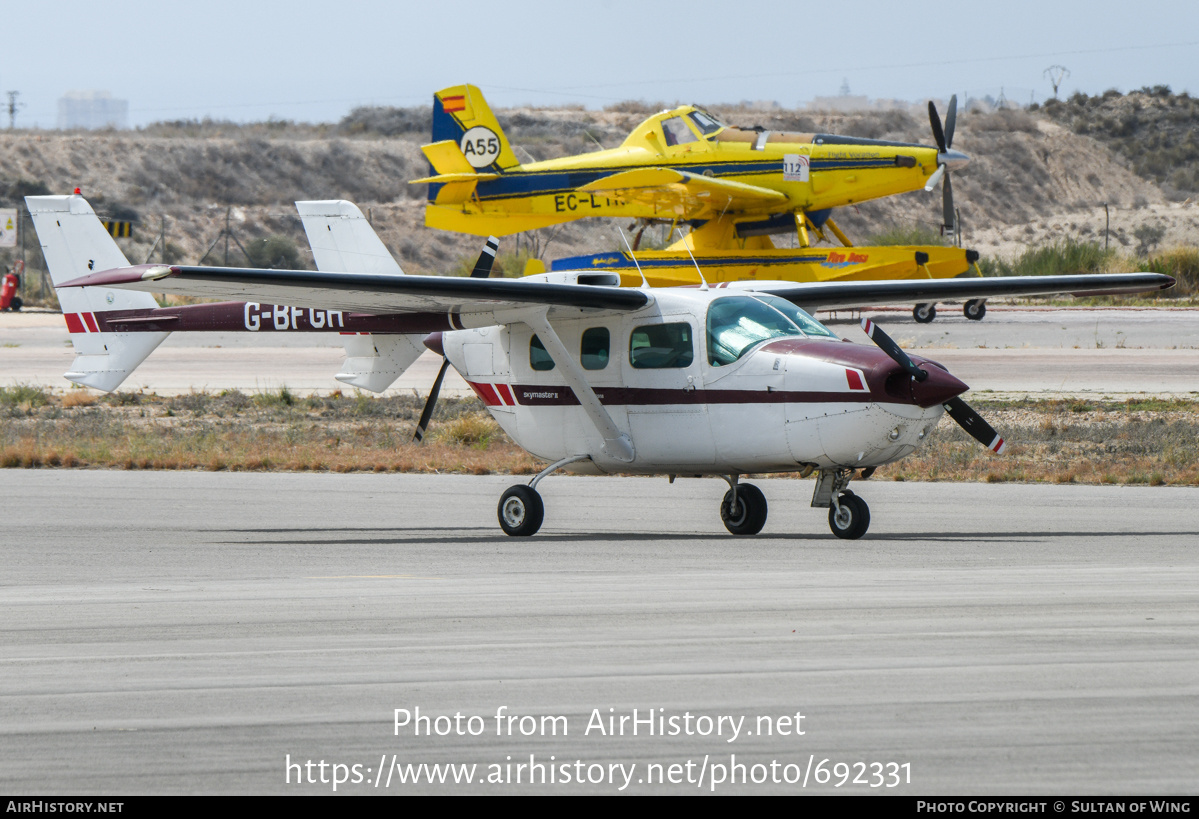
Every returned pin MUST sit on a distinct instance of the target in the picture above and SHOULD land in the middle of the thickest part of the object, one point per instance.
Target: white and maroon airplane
(722, 381)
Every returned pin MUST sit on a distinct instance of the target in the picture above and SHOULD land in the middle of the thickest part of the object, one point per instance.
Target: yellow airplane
(734, 186)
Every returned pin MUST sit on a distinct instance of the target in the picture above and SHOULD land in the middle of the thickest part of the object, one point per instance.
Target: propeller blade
(486, 259)
(427, 413)
(974, 424)
(947, 205)
(482, 270)
(888, 346)
(935, 178)
(951, 118)
(934, 119)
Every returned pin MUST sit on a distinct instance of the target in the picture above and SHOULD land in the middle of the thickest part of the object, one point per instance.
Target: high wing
(486, 299)
(373, 293)
(687, 195)
(846, 295)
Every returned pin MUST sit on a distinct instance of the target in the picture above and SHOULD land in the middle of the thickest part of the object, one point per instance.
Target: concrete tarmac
(199, 633)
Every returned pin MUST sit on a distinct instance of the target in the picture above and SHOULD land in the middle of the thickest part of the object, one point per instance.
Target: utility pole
(1056, 74)
(227, 234)
(13, 107)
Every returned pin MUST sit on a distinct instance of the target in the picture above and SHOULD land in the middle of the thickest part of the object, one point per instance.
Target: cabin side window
(661, 346)
(677, 132)
(593, 349)
(539, 358)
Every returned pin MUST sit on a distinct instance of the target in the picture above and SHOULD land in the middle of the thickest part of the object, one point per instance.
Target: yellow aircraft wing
(687, 195)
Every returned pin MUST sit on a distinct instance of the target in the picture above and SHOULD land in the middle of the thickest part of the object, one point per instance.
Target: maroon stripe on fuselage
(252, 317)
(528, 395)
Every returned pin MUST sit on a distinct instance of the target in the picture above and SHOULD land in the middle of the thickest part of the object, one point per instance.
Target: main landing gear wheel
(975, 309)
(521, 511)
(748, 516)
(924, 313)
(853, 518)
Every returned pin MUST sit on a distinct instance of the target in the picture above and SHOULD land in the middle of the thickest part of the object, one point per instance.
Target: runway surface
(1012, 351)
(195, 632)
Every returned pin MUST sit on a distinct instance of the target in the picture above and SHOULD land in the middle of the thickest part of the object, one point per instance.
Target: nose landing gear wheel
(748, 516)
(853, 518)
(975, 309)
(521, 511)
(924, 313)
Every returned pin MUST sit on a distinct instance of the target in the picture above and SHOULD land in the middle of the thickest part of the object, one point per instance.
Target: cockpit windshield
(705, 122)
(737, 323)
(809, 325)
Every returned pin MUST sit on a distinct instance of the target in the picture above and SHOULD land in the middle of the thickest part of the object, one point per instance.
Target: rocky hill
(1035, 176)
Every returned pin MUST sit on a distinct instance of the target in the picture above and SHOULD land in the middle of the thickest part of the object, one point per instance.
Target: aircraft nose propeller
(953, 160)
(946, 159)
(936, 387)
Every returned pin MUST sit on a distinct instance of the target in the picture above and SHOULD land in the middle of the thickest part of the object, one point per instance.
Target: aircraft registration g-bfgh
(722, 381)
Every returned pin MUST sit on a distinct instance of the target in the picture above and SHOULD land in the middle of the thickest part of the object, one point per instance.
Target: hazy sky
(314, 61)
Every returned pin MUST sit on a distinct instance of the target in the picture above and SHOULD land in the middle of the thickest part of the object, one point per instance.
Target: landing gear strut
(743, 509)
(848, 515)
(521, 510)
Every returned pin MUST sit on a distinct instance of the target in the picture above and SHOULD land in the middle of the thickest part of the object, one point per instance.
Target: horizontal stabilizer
(446, 157)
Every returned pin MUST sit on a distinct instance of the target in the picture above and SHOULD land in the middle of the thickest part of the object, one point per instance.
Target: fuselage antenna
(703, 283)
(644, 282)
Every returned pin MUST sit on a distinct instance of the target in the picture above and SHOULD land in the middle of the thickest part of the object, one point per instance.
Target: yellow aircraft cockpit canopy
(692, 124)
(678, 126)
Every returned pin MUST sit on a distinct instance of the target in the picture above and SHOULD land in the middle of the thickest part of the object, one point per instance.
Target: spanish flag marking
(450, 104)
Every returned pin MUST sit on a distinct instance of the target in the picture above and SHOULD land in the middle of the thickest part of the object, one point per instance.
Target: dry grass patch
(1149, 441)
(78, 398)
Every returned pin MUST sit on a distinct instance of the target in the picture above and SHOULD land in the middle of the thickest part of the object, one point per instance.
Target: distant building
(92, 109)
(759, 105)
(844, 102)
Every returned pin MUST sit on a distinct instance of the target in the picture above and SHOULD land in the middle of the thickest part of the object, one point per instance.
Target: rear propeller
(958, 410)
(946, 158)
(482, 270)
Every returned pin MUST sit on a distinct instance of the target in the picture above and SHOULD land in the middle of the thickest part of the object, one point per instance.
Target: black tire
(16, 304)
(854, 519)
(975, 309)
(924, 313)
(521, 511)
(749, 516)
